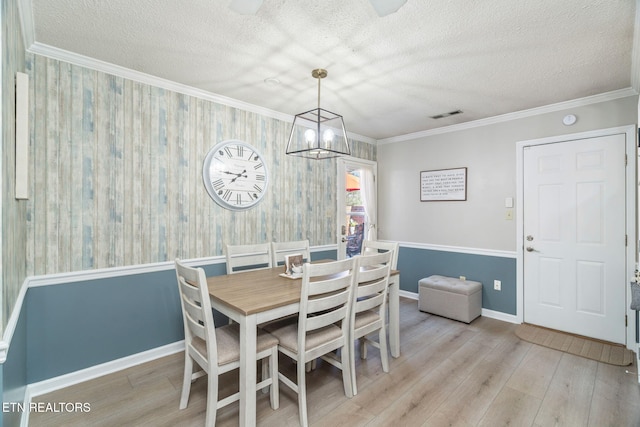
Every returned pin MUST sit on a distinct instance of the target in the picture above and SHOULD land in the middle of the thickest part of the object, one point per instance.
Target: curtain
(368, 193)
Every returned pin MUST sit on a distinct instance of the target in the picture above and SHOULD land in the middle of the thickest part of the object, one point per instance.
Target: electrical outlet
(497, 285)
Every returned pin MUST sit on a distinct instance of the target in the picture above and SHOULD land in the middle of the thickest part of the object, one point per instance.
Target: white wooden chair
(215, 350)
(280, 249)
(370, 247)
(322, 327)
(248, 257)
(368, 310)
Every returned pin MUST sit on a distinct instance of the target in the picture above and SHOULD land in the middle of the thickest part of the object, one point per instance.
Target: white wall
(489, 153)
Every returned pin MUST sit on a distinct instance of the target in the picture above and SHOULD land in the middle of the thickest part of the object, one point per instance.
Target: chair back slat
(369, 303)
(195, 320)
(196, 309)
(248, 257)
(370, 247)
(281, 249)
(325, 296)
(371, 282)
(332, 284)
(327, 318)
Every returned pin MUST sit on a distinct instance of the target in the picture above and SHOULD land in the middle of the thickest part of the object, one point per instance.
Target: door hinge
(626, 160)
(626, 320)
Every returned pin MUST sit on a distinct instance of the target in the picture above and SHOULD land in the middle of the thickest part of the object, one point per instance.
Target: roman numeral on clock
(218, 184)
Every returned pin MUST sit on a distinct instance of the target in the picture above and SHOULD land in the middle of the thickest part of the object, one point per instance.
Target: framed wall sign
(443, 185)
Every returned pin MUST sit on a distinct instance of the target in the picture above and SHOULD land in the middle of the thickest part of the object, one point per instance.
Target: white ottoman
(450, 297)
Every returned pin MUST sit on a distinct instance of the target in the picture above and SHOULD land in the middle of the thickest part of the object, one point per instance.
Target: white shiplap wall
(13, 212)
(117, 175)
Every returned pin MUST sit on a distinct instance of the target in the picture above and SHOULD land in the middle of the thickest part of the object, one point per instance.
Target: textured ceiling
(386, 75)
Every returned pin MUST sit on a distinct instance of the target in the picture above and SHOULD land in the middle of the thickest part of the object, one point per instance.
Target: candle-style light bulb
(327, 137)
(310, 136)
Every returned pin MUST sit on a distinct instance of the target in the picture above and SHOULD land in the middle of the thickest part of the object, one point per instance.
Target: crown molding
(27, 24)
(140, 77)
(28, 33)
(635, 51)
(575, 103)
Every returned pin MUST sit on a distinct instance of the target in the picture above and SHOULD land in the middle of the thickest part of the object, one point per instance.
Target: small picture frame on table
(293, 264)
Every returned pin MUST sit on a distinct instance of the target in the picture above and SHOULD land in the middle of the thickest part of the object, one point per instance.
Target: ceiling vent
(443, 115)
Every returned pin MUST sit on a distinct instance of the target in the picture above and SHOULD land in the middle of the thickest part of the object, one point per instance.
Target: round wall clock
(235, 175)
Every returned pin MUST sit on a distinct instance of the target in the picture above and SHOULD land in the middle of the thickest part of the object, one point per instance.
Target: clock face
(235, 175)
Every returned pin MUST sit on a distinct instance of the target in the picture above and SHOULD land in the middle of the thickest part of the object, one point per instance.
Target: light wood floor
(449, 374)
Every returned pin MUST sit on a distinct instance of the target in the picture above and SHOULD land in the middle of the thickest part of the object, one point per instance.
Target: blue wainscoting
(13, 375)
(417, 263)
(77, 325)
(66, 327)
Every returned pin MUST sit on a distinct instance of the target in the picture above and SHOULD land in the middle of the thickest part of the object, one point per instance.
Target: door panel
(574, 220)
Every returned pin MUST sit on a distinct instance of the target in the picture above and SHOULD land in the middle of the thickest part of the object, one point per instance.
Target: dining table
(254, 297)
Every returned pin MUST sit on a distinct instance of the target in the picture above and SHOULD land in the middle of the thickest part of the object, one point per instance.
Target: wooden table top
(256, 291)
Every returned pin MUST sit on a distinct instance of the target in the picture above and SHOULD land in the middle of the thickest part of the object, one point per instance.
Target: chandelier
(318, 133)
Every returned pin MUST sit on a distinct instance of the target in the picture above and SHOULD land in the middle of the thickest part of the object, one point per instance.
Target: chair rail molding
(460, 249)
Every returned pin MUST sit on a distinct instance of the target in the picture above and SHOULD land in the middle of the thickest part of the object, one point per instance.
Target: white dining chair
(215, 350)
(369, 307)
(281, 249)
(248, 257)
(370, 247)
(322, 327)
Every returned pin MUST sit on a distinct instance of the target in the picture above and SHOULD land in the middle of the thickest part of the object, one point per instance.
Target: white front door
(574, 227)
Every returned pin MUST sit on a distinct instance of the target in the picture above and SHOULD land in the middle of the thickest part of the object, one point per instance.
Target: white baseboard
(407, 294)
(66, 380)
(498, 315)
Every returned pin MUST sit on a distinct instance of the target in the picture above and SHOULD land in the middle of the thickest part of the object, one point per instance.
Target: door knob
(344, 240)
(530, 249)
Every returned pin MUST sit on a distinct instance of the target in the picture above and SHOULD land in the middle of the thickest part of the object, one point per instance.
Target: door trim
(340, 182)
(630, 214)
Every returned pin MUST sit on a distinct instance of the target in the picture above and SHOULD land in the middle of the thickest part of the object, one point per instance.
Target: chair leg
(212, 400)
(265, 373)
(275, 384)
(302, 394)
(346, 370)
(186, 381)
(384, 355)
(363, 348)
(352, 365)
